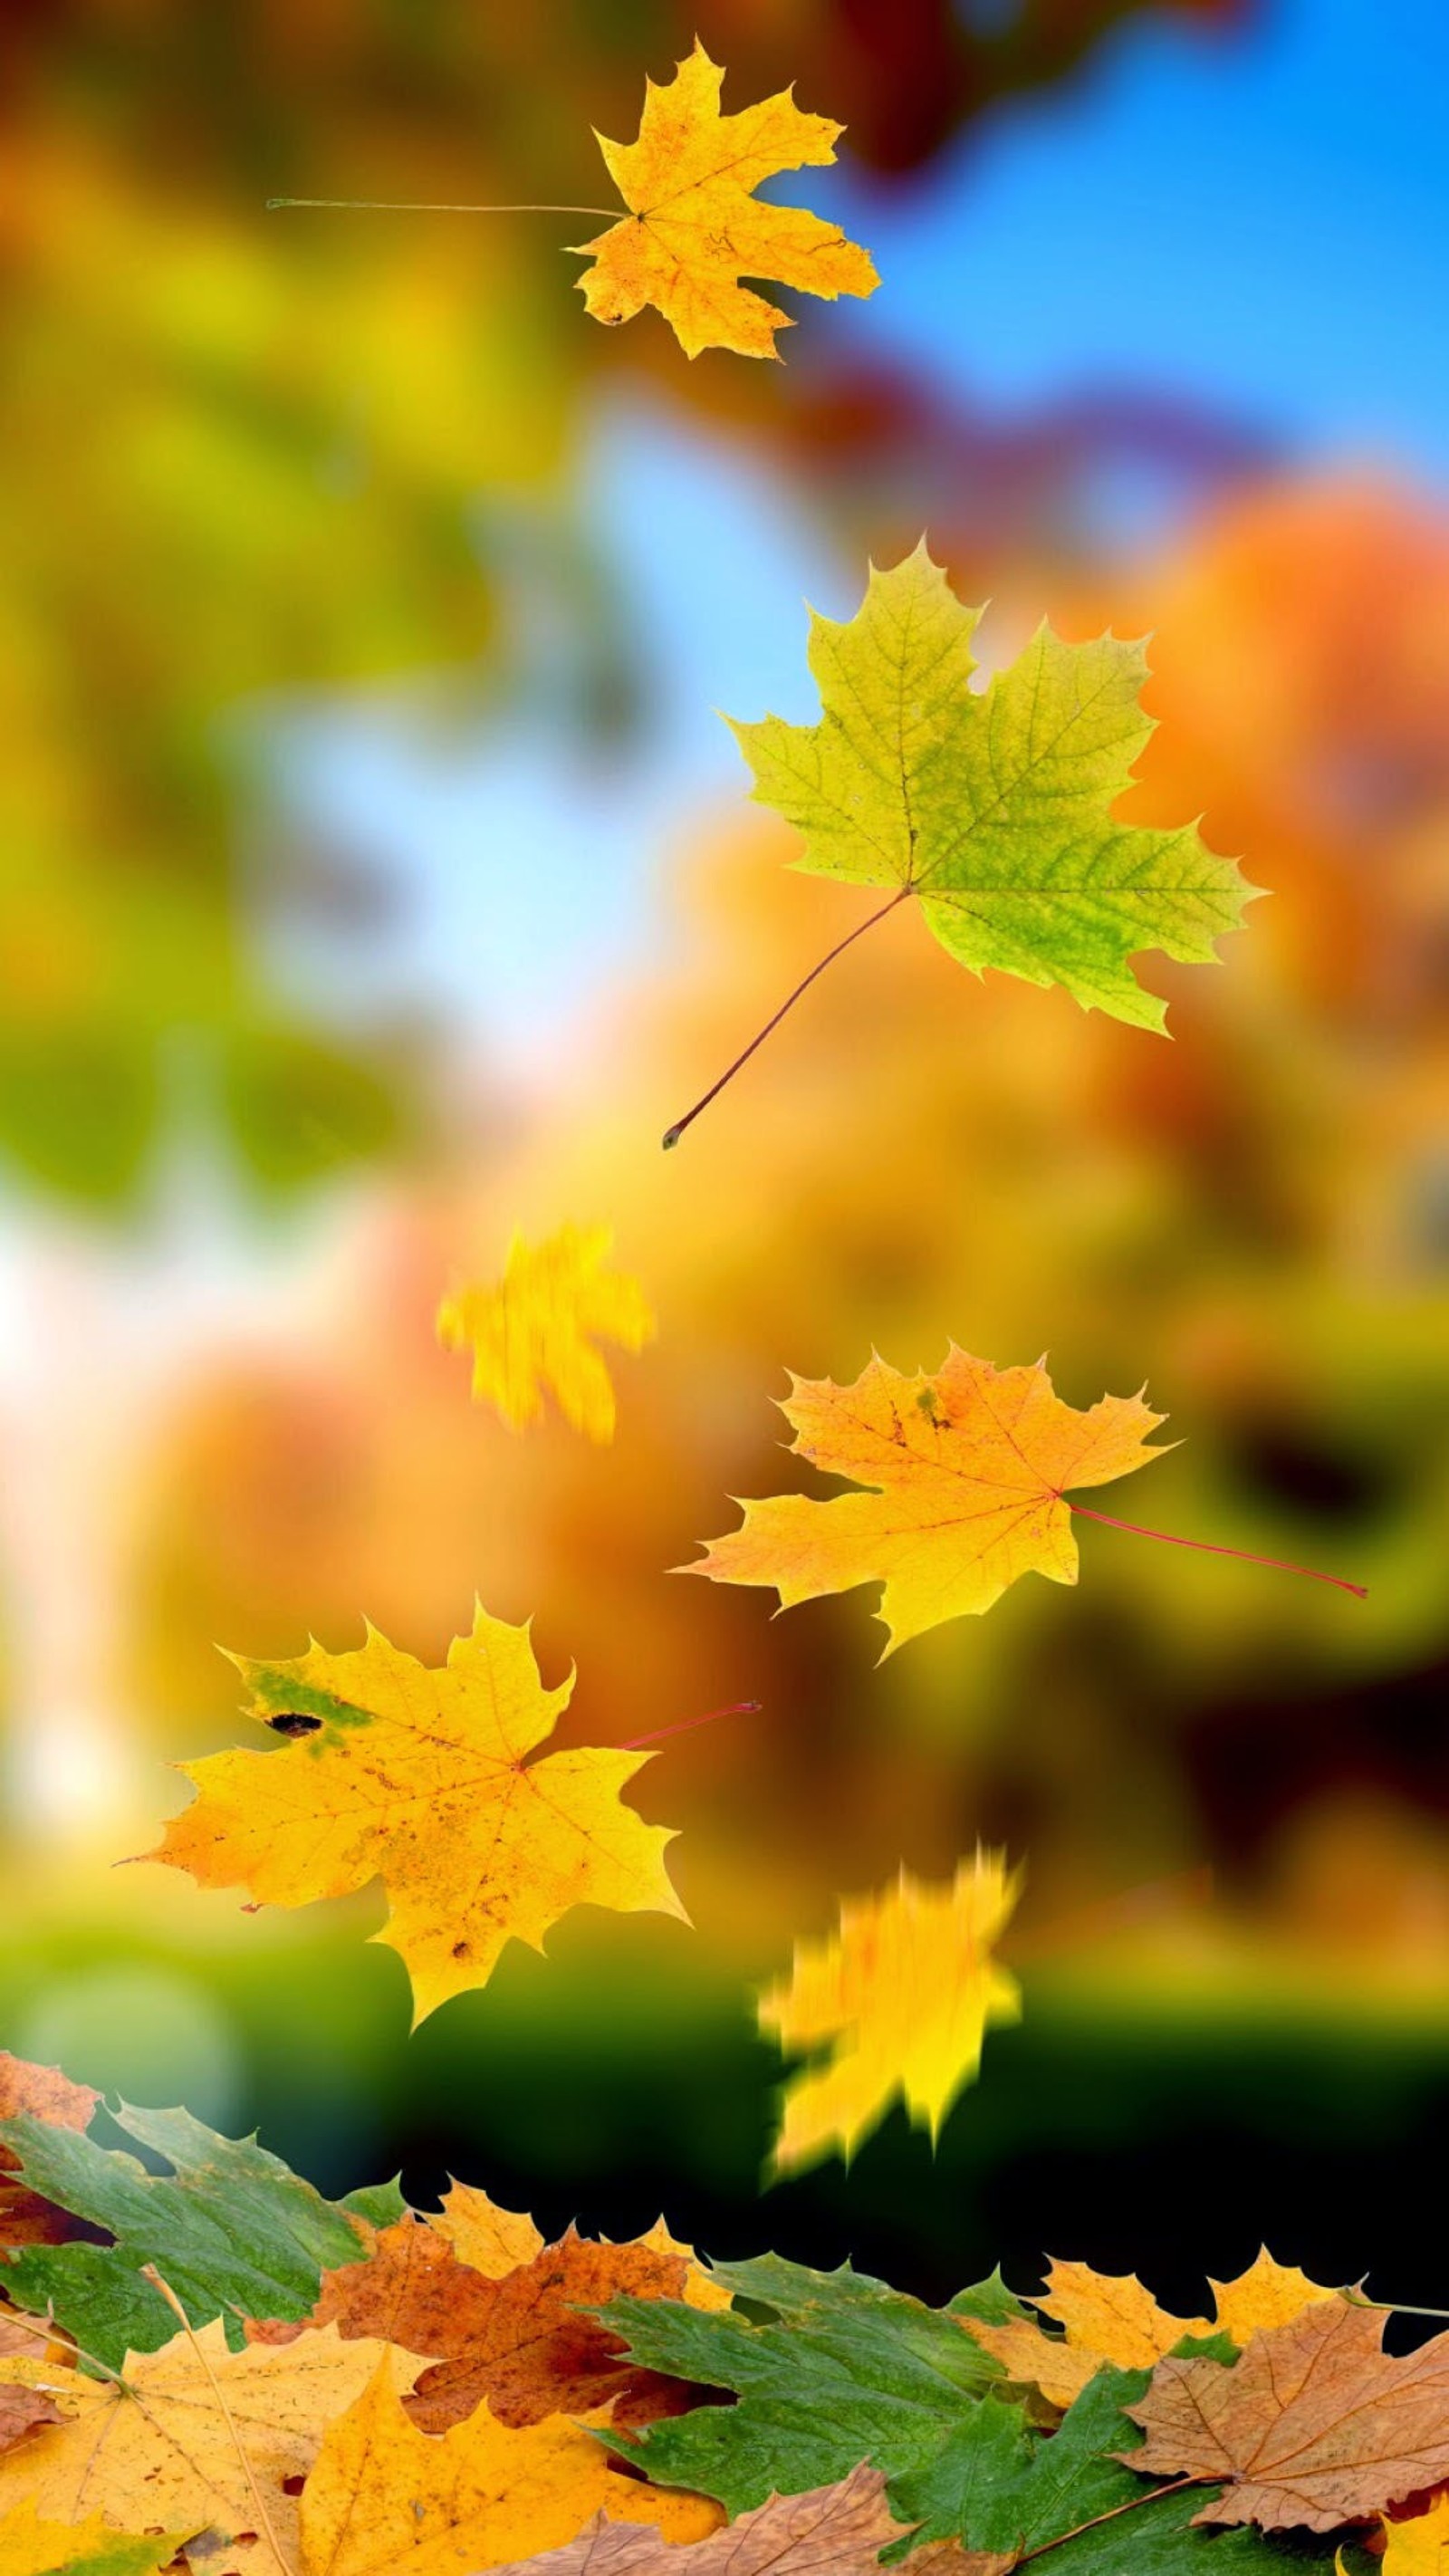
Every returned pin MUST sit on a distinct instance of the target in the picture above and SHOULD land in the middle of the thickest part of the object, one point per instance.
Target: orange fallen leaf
(516, 2343)
(695, 226)
(435, 1781)
(1315, 2424)
(386, 2500)
(842, 2529)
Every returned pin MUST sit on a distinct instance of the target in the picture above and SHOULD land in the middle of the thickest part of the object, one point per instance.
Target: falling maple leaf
(534, 1329)
(191, 2436)
(993, 809)
(26, 2217)
(966, 1475)
(841, 2528)
(423, 1778)
(384, 2497)
(30, 2547)
(520, 2344)
(903, 1994)
(695, 226)
(1316, 2424)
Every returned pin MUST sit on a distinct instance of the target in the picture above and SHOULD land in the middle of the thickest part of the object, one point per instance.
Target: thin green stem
(672, 1134)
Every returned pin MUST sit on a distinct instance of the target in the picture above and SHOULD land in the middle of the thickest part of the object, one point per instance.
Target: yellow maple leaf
(967, 1473)
(30, 2547)
(384, 2496)
(695, 227)
(532, 1329)
(904, 1992)
(160, 2446)
(1266, 2295)
(1420, 2546)
(488, 2239)
(1112, 2317)
(424, 1779)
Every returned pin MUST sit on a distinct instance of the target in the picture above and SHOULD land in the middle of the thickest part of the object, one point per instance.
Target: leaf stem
(1059, 2539)
(736, 1708)
(1212, 1547)
(150, 2273)
(672, 1134)
(409, 206)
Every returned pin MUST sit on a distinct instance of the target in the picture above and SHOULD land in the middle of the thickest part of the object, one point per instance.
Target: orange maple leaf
(966, 1474)
(695, 226)
(521, 2344)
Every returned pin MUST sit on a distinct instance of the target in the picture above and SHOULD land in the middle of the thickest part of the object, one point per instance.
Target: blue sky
(1259, 224)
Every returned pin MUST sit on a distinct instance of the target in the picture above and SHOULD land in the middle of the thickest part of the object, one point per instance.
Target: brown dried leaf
(833, 2531)
(1315, 2425)
(21, 2410)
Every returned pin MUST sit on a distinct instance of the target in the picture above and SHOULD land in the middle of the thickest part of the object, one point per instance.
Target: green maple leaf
(991, 808)
(842, 2370)
(1066, 2500)
(232, 2230)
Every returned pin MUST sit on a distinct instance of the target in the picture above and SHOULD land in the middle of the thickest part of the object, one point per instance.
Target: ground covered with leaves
(205, 2365)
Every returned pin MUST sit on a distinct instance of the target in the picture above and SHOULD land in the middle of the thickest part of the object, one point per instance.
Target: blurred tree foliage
(1252, 1216)
(244, 455)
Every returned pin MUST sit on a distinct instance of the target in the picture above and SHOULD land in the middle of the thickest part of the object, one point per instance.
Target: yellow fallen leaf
(30, 2547)
(423, 1779)
(1267, 2294)
(904, 1991)
(701, 2289)
(533, 1329)
(488, 2239)
(1419, 2547)
(695, 226)
(1061, 2370)
(967, 1474)
(157, 2447)
(385, 2497)
(1112, 2317)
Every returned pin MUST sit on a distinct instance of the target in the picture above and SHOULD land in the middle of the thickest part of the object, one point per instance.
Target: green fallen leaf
(232, 2230)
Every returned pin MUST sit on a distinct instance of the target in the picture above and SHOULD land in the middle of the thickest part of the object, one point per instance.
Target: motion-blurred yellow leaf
(695, 226)
(534, 1329)
(966, 1474)
(904, 1992)
(423, 1779)
(385, 2497)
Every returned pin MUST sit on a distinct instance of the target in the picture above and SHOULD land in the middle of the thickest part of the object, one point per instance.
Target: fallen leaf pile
(453, 2395)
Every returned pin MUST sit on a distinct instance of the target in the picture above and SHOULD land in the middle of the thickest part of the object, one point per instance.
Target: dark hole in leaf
(292, 1722)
